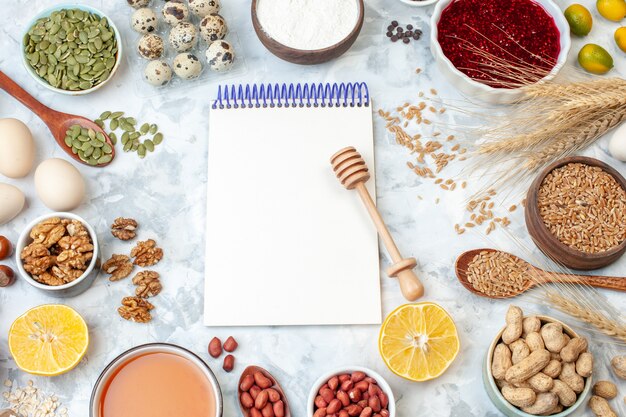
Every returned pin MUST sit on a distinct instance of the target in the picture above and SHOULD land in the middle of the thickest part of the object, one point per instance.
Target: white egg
(617, 145)
(11, 202)
(59, 185)
(17, 148)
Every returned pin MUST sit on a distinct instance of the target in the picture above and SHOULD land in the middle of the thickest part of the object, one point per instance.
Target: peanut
(567, 397)
(553, 368)
(501, 361)
(215, 347)
(545, 402)
(513, 329)
(273, 395)
(229, 363)
(553, 338)
(534, 341)
(320, 402)
(528, 367)
(601, 407)
(584, 364)
(320, 412)
(254, 391)
(519, 397)
(618, 364)
(605, 389)
(268, 410)
(573, 349)
(357, 376)
(261, 400)
(344, 398)
(334, 406)
(530, 324)
(262, 381)
(247, 383)
(541, 382)
(246, 400)
(230, 344)
(279, 408)
(571, 378)
(351, 395)
(333, 383)
(519, 351)
(255, 413)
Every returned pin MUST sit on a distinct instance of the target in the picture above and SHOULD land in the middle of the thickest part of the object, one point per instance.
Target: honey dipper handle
(410, 285)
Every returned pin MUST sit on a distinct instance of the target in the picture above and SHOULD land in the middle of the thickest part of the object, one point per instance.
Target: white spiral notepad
(286, 244)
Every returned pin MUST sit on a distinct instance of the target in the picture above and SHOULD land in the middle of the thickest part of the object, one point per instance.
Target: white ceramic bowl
(47, 12)
(348, 370)
(474, 89)
(419, 3)
(114, 366)
(79, 285)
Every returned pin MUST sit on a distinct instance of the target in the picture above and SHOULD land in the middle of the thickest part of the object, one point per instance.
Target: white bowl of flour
(307, 31)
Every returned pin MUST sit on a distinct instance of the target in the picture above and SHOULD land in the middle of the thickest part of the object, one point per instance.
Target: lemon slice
(48, 340)
(418, 341)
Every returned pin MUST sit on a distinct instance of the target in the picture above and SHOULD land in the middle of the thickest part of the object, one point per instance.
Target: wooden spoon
(251, 370)
(57, 122)
(539, 276)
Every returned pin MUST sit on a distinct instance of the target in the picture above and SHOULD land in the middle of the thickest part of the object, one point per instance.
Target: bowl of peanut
(58, 254)
(537, 365)
(352, 391)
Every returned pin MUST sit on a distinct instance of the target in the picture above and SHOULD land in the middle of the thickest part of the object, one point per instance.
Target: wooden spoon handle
(11, 87)
(410, 285)
(612, 283)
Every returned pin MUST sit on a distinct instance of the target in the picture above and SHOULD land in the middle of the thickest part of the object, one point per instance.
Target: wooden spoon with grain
(57, 122)
(251, 370)
(536, 276)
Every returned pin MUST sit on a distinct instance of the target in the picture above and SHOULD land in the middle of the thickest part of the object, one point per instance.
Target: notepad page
(286, 243)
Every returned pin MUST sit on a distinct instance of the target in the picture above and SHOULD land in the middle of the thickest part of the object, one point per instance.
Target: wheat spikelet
(598, 320)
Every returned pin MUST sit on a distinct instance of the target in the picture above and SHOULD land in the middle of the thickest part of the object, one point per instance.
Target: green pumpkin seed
(107, 149)
(68, 141)
(141, 151)
(135, 135)
(153, 129)
(131, 120)
(92, 161)
(104, 159)
(144, 128)
(99, 123)
(128, 145)
(97, 153)
(127, 127)
(105, 115)
(88, 152)
(125, 137)
(114, 124)
(117, 114)
(158, 138)
(113, 138)
(149, 145)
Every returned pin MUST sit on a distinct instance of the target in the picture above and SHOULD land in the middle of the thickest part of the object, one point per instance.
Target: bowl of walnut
(58, 254)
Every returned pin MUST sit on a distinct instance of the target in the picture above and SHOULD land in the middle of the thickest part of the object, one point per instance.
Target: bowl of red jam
(489, 49)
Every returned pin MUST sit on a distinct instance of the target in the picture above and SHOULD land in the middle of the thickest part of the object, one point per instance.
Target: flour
(308, 24)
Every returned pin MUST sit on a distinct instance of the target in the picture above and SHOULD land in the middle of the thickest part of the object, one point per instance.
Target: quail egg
(137, 4)
(183, 36)
(174, 12)
(158, 73)
(213, 28)
(150, 46)
(144, 21)
(202, 8)
(187, 66)
(220, 56)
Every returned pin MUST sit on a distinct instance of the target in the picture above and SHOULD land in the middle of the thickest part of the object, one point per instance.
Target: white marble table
(166, 193)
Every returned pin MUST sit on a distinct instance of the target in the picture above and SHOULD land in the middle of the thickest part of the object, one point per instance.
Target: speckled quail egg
(220, 56)
(158, 73)
(144, 21)
(150, 46)
(137, 4)
(175, 12)
(202, 8)
(183, 36)
(213, 28)
(187, 66)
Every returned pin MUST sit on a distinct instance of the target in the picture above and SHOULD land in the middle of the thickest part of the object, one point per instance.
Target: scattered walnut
(123, 228)
(119, 266)
(135, 309)
(48, 232)
(146, 253)
(148, 284)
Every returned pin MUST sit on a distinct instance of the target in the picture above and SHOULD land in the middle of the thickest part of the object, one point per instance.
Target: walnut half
(119, 266)
(146, 253)
(123, 228)
(135, 309)
(148, 284)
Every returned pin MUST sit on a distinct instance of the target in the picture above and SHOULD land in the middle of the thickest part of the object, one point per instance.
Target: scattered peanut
(601, 407)
(618, 364)
(605, 389)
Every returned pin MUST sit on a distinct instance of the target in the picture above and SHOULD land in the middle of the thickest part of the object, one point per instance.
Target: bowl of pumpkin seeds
(71, 49)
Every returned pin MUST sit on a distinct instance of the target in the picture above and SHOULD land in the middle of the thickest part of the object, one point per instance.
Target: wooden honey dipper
(352, 172)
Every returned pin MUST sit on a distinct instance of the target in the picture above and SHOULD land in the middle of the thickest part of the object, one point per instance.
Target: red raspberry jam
(518, 32)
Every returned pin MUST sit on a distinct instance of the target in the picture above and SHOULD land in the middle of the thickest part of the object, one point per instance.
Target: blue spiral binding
(292, 95)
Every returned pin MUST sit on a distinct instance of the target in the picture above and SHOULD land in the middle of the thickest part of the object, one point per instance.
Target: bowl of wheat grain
(576, 213)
